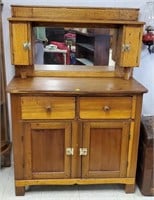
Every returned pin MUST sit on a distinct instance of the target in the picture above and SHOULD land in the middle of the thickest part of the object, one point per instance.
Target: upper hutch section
(121, 22)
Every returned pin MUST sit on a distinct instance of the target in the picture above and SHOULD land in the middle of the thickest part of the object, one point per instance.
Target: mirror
(73, 46)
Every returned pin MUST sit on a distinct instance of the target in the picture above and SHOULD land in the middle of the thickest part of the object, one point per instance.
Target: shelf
(87, 46)
(85, 61)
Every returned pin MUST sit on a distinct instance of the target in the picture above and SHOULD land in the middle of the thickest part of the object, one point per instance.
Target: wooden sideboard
(73, 124)
(75, 130)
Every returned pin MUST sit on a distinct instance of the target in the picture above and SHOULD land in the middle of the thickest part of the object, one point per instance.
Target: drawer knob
(48, 108)
(106, 108)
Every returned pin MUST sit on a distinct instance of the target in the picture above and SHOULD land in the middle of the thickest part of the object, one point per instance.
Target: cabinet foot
(130, 188)
(20, 191)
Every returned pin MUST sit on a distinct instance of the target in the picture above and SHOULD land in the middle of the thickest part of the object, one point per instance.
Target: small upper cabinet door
(21, 43)
(129, 46)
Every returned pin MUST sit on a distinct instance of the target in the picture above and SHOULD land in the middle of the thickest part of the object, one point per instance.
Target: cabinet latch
(126, 47)
(27, 45)
(83, 151)
(69, 151)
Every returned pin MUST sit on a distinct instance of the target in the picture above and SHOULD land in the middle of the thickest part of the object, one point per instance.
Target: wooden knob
(106, 108)
(48, 108)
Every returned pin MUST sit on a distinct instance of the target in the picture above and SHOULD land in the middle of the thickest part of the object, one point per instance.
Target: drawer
(47, 107)
(105, 107)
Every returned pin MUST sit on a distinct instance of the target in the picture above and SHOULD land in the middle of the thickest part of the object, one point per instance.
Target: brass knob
(48, 108)
(106, 108)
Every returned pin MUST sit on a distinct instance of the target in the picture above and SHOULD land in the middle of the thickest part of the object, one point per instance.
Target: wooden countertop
(75, 86)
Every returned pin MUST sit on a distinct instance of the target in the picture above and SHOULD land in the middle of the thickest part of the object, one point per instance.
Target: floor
(95, 192)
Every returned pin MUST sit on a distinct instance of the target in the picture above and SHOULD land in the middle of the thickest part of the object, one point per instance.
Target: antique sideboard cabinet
(75, 124)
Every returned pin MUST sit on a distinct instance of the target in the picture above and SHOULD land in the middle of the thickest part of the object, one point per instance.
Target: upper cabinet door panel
(130, 46)
(21, 43)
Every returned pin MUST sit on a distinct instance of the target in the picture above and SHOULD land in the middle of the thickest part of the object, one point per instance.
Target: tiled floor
(95, 192)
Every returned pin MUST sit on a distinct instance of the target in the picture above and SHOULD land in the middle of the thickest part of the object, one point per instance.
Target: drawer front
(47, 107)
(105, 107)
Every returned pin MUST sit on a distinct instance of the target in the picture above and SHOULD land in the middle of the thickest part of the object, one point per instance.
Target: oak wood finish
(105, 107)
(21, 56)
(115, 138)
(110, 138)
(75, 125)
(91, 181)
(124, 21)
(47, 107)
(50, 159)
(64, 13)
(128, 35)
(80, 86)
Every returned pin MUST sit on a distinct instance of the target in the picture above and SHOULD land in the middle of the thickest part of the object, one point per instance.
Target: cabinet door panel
(107, 145)
(45, 146)
(20, 35)
(130, 47)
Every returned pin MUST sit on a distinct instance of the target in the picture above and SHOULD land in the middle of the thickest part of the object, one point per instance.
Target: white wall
(143, 74)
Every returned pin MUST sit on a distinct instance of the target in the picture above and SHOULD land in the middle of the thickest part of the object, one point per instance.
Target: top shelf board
(73, 15)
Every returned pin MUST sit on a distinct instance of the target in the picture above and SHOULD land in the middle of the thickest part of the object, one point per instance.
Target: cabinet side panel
(134, 139)
(17, 136)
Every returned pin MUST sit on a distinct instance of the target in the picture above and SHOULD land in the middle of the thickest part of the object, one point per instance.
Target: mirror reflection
(73, 46)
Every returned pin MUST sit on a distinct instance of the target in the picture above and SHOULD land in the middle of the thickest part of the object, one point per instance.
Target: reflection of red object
(62, 45)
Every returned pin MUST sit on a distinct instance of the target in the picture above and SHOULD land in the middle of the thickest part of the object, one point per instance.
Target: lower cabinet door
(47, 150)
(105, 149)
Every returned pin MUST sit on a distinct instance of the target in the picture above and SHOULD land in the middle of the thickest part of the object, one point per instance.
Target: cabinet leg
(20, 191)
(130, 188)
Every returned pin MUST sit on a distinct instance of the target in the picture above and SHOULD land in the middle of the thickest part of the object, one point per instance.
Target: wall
(144, 74)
